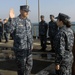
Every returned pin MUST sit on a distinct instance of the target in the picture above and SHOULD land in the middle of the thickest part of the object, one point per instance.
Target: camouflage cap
(62, 16)
(25, 8)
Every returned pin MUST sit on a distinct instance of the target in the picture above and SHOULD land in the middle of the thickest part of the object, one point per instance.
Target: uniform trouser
(0, 37)
(66, 68)
(43, 40)
(11, 35)
(51, 40)
(24, 65)
(6, 36)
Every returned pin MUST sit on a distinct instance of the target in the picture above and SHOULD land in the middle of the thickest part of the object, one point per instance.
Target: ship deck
(43, 62)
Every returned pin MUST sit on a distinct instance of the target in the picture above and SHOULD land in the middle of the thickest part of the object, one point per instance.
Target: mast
(38, 11)
(26, 2)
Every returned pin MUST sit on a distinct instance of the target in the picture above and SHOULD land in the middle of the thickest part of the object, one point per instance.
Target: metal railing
(35, 29)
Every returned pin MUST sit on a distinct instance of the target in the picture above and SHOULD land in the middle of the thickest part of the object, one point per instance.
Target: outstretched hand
(11, 13)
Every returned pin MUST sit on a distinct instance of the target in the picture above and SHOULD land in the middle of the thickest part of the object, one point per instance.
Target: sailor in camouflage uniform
(63, 44)
(53, 28)
(43, 33)
(1, 30)
(22, 34)
(6, 30)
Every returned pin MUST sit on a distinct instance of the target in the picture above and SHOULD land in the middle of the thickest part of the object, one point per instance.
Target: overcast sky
(47, 7)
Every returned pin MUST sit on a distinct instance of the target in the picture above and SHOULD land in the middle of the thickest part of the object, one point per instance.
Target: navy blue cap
(25, 8)
(62, 16)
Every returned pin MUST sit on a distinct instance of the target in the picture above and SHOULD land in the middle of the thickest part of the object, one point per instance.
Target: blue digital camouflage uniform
(1, 30)
(53, 28)
(22, 35)
(6, 32)
(43, 34)
(63, 44)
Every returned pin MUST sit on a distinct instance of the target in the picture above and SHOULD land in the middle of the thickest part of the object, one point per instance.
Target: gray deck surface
(41, 65)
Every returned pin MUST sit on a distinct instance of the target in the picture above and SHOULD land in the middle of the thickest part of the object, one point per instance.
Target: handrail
(35, 29)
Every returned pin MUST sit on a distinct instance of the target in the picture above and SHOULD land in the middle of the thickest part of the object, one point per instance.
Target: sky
(47, 7)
